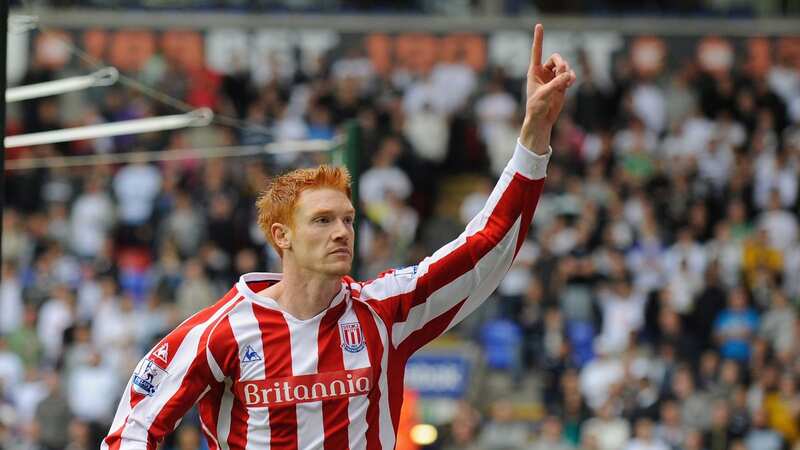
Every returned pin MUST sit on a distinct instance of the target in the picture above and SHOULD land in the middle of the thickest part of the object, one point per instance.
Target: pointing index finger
(538, 37)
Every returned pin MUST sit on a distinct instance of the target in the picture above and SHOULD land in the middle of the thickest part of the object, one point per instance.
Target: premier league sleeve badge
(147, 377)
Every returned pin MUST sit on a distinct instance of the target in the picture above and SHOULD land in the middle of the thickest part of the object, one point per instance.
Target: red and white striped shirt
(263, 379)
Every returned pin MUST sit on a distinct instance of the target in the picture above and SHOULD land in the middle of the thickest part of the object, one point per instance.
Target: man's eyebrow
(318, 212)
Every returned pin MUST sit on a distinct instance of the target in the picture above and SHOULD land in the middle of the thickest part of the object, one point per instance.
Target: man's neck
(302, 294)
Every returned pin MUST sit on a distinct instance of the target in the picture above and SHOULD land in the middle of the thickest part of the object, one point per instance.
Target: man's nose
(342, 230)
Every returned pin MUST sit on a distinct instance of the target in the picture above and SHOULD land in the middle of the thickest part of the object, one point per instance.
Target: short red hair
(276, 203)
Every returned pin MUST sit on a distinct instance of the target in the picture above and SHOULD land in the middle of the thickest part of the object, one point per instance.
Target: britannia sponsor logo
(352, 337)
(305, 388)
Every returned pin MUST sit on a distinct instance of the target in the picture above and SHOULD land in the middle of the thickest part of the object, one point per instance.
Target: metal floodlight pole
(299, 146)
(318, 145)
(3, 44)
(103, 77)
(352, 160)
(20, 23)
(197, 118)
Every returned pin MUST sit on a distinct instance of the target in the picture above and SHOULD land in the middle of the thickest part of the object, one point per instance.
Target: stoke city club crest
(352, 337)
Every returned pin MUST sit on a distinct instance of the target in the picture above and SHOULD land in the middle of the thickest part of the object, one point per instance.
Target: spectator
(715, 163)
(24, 341)
(503, 431)
(184, 225)
(726, 251)
(688, 251)
(550, 436)
(17, 244)
(195, 292)
(136, 186)
(53, 415)
(463, 429)
(428, 132)
(648, 102)
(384, 177)
(719, 436)
(783, 410)
(694, 404)
(354, 65)
(644, 438)
(611, 432)
(776, 181)
(91, 219)
(11, 368)
(93, 376)
(11, 306)
(600, 375)
(56, 315)
(80, 437)
(779, 324)
(636, 138)
(781, 226)
(759, 256)
(574, 410)
(734, 327)
(670, 430)
(80, 350)
(694, 441)
(623, 314)
(673, 333)
(761, 436)
(455, 82)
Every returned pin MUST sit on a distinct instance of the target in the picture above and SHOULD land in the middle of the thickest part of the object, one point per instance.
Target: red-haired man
(310, 358)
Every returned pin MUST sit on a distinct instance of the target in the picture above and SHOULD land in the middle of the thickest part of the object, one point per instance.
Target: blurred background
(653, 306)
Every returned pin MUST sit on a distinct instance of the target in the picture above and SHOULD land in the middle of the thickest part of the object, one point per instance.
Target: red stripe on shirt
(375, 350)
(225, 350)
(528, 207)
(463, 258)
(209, 414)
(435, 327)
(395, 378)
(329, 359)
(114, 440)
(277, 346)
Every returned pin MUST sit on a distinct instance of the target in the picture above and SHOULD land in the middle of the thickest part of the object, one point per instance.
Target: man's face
(322, 235)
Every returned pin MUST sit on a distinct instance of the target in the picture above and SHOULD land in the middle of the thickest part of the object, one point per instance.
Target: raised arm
(421, 302)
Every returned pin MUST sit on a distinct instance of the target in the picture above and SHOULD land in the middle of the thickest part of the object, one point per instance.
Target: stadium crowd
(655, 299)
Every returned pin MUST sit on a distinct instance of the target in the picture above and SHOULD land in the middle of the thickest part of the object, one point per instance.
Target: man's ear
(282, 235)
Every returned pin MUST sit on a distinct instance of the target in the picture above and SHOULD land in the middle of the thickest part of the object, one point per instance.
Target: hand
(547, 85)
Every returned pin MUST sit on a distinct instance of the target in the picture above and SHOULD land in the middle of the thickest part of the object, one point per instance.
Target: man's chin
(339, 270)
